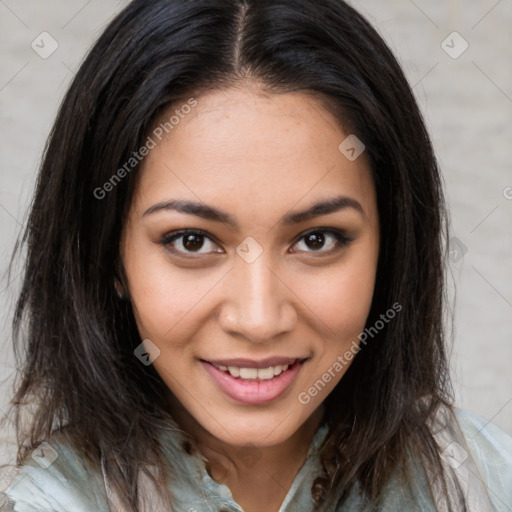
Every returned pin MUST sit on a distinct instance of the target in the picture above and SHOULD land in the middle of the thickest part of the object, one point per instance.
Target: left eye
(316, 240)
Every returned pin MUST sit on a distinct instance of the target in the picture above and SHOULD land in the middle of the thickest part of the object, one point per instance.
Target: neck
(227, 465)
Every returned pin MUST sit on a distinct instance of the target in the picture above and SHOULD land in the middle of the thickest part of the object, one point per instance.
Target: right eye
(188, 241)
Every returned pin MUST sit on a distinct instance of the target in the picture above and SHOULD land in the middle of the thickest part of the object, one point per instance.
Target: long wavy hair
(74, 337)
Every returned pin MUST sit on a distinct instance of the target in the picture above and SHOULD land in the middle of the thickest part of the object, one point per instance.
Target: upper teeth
(255, 373)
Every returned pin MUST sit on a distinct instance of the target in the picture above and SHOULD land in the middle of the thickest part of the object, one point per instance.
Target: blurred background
(457, 56)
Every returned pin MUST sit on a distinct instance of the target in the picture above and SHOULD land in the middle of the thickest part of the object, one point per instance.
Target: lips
(248, 388)
(249, 369)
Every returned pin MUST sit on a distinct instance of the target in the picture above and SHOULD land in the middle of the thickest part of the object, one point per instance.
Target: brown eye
(315, 241)
(189, 242)
(318, 239)
(192, 242)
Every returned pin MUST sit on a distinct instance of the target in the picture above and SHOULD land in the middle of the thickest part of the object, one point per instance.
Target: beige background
(467, 102)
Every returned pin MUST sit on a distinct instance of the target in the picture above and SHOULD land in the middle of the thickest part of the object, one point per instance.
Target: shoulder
(53, 478)
(491, 449)
(477, 458)
(485, 437)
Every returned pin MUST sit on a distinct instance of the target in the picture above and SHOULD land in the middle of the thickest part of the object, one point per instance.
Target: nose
(259, 305)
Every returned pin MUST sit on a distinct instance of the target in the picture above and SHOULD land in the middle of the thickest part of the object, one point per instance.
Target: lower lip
(253, 392)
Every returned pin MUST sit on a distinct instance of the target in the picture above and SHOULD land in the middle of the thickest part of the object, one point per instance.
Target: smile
(252, 383)
(254, 373)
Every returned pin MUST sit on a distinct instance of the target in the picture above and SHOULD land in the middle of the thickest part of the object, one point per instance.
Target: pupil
(315, 241)
(192, 242)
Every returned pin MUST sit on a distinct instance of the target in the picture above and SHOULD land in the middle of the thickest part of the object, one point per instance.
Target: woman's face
(263, 279)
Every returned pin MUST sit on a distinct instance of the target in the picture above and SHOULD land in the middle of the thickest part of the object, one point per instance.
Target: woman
(234, 284)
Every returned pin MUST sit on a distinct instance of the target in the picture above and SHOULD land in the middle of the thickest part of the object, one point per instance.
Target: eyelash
(341, 240)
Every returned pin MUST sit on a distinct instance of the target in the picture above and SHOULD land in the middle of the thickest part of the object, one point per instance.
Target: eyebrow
(323, 207)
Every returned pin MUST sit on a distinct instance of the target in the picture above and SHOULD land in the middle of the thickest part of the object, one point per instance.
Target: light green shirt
(56, 480)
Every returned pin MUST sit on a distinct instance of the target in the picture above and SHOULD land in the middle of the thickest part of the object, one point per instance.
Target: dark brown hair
(76, 353)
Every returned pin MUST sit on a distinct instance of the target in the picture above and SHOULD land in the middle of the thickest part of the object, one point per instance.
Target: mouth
(247, 369)
(254, 382)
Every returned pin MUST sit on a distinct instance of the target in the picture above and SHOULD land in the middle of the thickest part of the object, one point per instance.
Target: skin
(257, 157)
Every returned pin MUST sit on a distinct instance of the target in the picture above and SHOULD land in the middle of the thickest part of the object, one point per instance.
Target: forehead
(256, 149)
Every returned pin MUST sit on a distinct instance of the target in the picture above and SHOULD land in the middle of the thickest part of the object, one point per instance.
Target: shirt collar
(192, 487)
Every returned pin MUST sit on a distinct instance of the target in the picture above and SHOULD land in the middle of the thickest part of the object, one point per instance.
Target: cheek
(161, 295)
(166, 304)
(352, 296)
(343, 305)
(342, 297)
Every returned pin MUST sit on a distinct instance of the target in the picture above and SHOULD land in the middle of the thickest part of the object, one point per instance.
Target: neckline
(200, 482)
